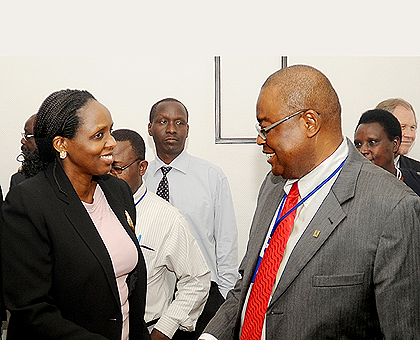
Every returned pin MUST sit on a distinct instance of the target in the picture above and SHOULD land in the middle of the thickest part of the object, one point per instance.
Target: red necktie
(267, 272)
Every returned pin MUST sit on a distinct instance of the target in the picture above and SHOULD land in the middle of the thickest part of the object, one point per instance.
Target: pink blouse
(120, 247)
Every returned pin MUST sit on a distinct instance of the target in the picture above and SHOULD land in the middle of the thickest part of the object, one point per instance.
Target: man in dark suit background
(3, 316)
(350, 266)
(408, 163)
(405, 114)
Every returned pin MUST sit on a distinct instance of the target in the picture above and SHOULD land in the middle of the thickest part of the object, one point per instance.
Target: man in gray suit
(350, 269)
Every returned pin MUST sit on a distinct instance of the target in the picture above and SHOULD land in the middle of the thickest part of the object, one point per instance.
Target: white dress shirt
(397, 161)
(201, 191)
(304, 213)
(173, 258)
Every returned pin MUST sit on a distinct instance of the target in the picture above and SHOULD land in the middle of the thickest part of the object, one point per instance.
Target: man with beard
(29, 149)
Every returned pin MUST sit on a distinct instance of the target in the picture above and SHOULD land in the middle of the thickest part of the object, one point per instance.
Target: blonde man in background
(405, 114)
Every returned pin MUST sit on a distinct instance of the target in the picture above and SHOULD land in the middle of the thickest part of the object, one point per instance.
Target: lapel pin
(316, 233)
(129, 220)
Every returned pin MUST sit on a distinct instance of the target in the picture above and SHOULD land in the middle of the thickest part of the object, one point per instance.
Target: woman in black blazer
(65, 277)
(378, 137)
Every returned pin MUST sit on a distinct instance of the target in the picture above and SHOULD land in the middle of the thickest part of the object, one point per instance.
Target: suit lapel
(263, 217)
(324, 222)
(126, 214)
(120, 210)
(82, 223)
(267, 213)
(327, 218)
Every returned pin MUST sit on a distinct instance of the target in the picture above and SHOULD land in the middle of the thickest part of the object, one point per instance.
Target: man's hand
(156, 335)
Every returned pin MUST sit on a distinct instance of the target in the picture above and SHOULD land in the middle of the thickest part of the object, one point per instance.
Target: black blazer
(16, 178)
(2, 308)
(59, 281)
(412, 179)
(409, 163)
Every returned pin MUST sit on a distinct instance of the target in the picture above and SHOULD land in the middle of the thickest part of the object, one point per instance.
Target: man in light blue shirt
(201, 191)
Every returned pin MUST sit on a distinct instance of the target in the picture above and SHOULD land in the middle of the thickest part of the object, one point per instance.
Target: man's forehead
(29, 124)
(167, 107)
(268, 100)
(402, 111)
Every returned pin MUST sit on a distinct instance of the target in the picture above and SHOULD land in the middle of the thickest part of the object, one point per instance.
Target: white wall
(363, 82)
(129, 86)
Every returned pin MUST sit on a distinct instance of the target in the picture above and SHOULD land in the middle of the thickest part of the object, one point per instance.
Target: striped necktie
(256, 308)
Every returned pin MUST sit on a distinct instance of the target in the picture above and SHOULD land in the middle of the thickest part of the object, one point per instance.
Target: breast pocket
(338, 280)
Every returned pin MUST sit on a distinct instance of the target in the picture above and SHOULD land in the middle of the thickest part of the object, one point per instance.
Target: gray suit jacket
(359, 279)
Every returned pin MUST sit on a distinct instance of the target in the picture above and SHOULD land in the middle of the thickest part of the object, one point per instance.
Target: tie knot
(165, 169)
(294, 191)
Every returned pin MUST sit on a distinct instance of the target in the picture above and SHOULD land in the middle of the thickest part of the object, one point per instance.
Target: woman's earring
(63, 154)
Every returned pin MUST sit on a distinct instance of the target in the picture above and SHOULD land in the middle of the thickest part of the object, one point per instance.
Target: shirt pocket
(338, 280)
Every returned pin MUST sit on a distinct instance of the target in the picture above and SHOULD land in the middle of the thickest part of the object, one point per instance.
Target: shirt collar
(397, 161)
(180, 163)
(140, 192)
(308, 182)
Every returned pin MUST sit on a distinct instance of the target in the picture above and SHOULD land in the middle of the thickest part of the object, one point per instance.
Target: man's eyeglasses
(262, 132)
(118, 170)
(26, 136)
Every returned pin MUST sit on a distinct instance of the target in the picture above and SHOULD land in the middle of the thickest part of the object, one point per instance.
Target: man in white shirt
(178, 278)
(201, 191)
(348, 264)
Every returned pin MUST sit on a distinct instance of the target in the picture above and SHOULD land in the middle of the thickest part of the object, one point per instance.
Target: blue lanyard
(319, 186)
(279, 219)
(141, 197)
(138, 239)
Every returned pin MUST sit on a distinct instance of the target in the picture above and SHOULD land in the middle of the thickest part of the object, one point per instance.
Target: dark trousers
(213, 303)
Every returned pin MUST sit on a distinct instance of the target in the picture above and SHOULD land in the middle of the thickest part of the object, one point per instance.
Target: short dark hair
(164, 100)
(386, 119)
(136, 141)
(58, 116)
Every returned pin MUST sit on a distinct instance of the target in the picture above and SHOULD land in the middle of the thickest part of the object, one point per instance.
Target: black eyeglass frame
(118, 170)
(262, 132)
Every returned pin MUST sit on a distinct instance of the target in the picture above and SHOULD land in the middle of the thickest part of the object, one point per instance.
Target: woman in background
(378, 138)
(71, 264)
